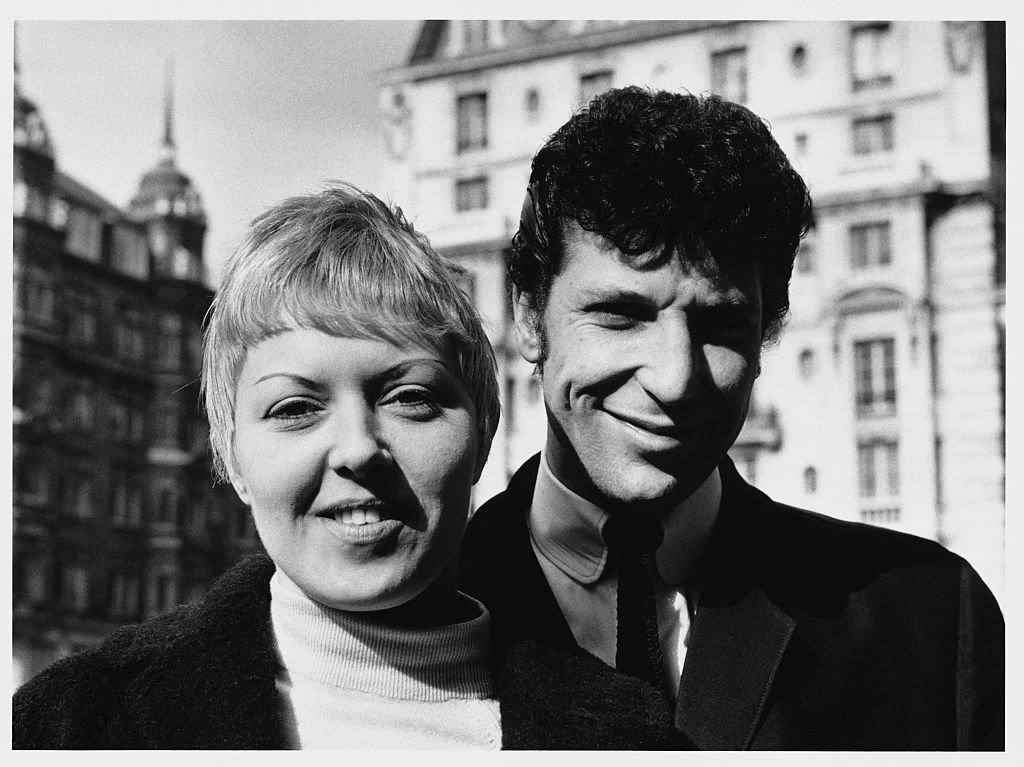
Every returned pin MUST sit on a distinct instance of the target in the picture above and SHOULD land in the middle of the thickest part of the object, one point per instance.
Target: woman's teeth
(358, 516)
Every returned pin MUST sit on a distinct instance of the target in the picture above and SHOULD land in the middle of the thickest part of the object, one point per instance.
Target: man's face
(646, 370)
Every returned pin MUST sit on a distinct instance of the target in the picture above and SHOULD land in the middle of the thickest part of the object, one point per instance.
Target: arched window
(810, 480)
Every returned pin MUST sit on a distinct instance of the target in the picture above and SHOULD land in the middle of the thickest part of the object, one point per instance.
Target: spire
(167, 144)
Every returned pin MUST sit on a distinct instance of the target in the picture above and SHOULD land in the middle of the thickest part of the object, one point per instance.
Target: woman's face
(357, 458)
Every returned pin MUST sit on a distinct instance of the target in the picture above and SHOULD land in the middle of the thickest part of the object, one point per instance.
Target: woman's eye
(413, 400)
(294, 408)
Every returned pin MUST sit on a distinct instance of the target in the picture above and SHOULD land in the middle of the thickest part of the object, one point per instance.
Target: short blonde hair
(343, 262)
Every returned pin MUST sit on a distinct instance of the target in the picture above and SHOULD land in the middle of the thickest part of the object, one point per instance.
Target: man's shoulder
(812, 556)
(507, 510)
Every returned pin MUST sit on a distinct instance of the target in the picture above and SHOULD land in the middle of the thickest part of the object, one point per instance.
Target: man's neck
(687, 524)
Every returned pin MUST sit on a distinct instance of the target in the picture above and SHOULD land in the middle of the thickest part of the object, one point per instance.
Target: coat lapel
(734, 653)
(739, 634)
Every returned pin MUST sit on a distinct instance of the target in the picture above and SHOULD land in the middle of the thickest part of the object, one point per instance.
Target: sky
(262, 110)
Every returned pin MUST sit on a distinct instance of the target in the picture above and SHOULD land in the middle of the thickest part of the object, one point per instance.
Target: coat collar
(204, 676)
(738, 636)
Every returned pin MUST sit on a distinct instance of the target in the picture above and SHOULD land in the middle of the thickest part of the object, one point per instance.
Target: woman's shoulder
(66, 703)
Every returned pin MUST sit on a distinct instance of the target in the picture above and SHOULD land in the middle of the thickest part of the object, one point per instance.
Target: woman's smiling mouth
(362, 523)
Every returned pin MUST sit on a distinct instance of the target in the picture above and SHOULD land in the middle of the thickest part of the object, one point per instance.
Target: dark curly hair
(655, 170)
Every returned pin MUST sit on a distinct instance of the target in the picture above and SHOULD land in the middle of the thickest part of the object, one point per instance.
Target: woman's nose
(356, 447)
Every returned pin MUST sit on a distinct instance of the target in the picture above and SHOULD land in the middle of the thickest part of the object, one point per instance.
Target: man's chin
(649, 488)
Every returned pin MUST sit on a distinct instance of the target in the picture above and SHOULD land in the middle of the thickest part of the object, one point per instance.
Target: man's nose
(357, 448)
(673, 366)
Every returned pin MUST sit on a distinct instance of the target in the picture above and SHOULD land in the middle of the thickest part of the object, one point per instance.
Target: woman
(352, 400)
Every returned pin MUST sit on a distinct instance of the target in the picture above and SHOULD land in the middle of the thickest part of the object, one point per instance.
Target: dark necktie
(633, 540)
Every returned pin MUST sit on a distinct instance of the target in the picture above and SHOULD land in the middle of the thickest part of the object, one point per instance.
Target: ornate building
(883, 402)
(115, 512)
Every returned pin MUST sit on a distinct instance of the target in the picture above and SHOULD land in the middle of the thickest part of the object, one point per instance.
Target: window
(34, 390)
(810, 480)
(59, 213)
(126, 500)
(872, 55)
(875, 370)
(167, 506)
(82, 321)
(870, 245)
(167, 424)
(129, 335)
(475, 34)
(195, 517)
(119, 417)
(594, 83)
(37, 297)
(74, 587)
(471, 122)
(879, 480)
(84, 234)
(30, 202)
(169, 340)
(32, 582)
(123, 594)
(31, 481)
(163, 592)
(805, 258)
(532, 102)
(137, 421)
(729, 74)
(81, 408)
(471, 194)
(79, 496)
(806, 364)
(798, 58)
(128, 253)
(872, 135)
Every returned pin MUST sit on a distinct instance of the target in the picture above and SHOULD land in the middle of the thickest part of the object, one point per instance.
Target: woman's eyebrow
(307, 382)
(401, 368)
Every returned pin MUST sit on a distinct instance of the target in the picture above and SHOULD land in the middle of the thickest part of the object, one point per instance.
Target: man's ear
(527, 320)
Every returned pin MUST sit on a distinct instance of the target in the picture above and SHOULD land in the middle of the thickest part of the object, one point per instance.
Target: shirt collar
(566, 528)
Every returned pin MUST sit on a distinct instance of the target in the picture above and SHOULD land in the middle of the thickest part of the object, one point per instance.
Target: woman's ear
(527, 322)
(237, 481)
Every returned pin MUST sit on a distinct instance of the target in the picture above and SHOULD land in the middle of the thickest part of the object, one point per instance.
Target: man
(643, 595)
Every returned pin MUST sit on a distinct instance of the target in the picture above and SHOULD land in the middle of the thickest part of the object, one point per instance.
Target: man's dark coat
(810, 633)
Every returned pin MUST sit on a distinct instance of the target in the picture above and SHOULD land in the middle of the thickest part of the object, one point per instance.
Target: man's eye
(732, 329)
(617, 316)
(293, 408)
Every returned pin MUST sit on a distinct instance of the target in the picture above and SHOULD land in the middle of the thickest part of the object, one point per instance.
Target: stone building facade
(115, 515)
(884, 400)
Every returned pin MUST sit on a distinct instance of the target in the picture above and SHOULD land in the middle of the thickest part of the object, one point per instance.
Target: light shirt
(352, 682)
(565, 532)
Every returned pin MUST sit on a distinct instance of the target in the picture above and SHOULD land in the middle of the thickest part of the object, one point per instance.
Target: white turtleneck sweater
(354, 683)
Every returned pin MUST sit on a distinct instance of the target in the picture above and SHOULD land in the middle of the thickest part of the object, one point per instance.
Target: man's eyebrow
(611, 294)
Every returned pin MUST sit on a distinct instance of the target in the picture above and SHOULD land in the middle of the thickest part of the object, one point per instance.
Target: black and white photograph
(503, 384)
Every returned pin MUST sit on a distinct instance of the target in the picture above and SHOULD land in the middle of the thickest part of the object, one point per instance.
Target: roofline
(414, 72)
(79, 192)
